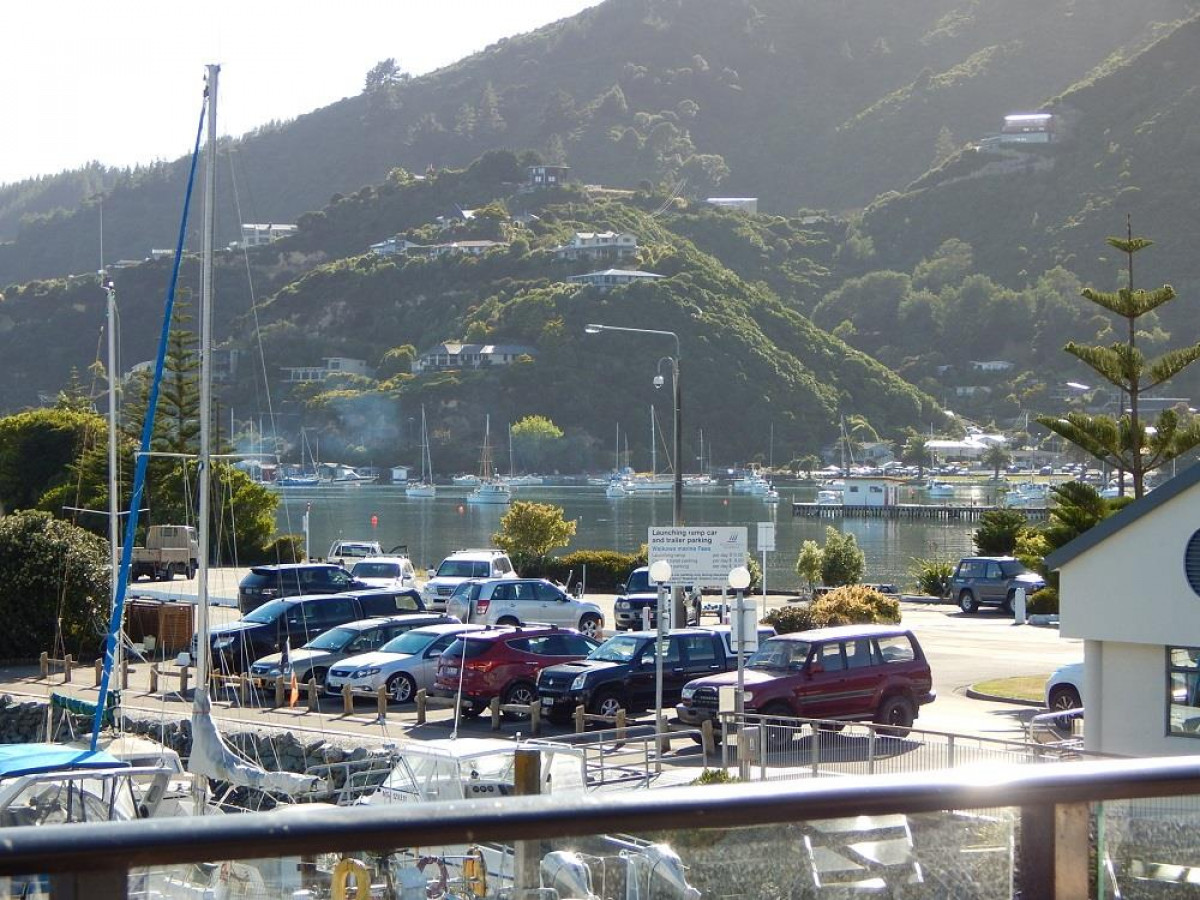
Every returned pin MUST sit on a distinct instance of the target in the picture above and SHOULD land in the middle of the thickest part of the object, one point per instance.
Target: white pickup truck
(170, 550)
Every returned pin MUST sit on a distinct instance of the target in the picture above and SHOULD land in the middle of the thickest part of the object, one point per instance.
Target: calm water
(434, 527)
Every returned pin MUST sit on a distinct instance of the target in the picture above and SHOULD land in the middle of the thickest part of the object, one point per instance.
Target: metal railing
(95, 860)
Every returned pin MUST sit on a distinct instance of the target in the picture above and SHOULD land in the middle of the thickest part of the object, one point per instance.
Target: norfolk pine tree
(1123, 442)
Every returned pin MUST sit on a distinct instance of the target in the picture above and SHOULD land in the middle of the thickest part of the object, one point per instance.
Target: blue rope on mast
(143, 459)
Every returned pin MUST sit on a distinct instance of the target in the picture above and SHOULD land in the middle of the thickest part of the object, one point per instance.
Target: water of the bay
(432, 528)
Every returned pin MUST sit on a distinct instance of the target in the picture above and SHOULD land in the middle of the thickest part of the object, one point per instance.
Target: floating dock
(911, 512)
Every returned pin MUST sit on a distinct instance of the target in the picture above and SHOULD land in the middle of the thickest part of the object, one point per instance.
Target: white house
(258, 235)
(598, 245)
(863, 490)
(1130, 588)
(991, 365)
(459, 355)
(331, 365)
(745, 204)
(546, 176)
(610, 278)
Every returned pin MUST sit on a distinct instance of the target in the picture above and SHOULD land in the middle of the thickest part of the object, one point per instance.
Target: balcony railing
(1028, 830)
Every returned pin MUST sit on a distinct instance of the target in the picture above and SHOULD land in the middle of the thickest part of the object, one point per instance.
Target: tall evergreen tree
(1122, 442)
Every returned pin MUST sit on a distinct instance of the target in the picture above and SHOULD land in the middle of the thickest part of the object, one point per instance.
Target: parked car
(851, 672)
(1064, 689)
(639, 593)
(264, 583)
(991, 580)
(460, 566)
(385, 571)
(504, 662)
(403, 665)
(621, 672)
(516, 601)
(314, 659)
(340, 551)
(297, 620)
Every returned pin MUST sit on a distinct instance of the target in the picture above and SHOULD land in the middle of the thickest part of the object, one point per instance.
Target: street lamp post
(678, 613)
(660, 574)
(739, 580)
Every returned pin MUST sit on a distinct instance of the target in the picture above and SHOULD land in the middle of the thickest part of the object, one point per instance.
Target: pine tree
(1122, 442)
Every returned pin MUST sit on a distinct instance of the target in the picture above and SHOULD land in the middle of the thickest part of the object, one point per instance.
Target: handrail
(299, 831)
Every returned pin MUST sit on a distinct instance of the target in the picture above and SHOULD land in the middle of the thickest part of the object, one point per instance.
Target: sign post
(766, 541)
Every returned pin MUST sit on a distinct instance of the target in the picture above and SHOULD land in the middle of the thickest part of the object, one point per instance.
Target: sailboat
(424, 487)
(492, 490)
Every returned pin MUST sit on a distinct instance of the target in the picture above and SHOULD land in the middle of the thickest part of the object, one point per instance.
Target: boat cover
(36, 759)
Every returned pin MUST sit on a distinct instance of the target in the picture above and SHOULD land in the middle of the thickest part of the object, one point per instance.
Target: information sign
(766, 537)
(699, 556)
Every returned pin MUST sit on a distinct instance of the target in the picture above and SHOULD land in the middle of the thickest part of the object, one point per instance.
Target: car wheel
(778, 730)
(471, 710)
(590, 625)
(896, 714)
(607, 703)
(509, 620)
(522, 693)
(1062, 698)
(318, 675)
(401, 688)
(1007, 605)
(967, 602)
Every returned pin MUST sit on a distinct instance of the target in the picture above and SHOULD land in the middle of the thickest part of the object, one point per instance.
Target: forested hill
(1128, 143)
(803, 103)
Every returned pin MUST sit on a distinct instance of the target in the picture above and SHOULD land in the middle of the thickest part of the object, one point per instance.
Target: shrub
(854, 604)
(51, 572)
(842, 561)
(998, 531)
(606, 569)
(789, 619)
(1043, 602)
(933, 576)
(285, 548)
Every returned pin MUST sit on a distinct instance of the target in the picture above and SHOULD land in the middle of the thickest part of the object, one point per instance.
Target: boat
(771, 495)
(465, 480)
(752, 482)
(830, 497)
(935, 488)
(344, 474)
(424, 487)
(615, 490)
(1027, 495)
(492, 490)
(298, 481)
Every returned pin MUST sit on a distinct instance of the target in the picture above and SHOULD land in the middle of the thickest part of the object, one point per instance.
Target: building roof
(632, 273)
(1120, 520)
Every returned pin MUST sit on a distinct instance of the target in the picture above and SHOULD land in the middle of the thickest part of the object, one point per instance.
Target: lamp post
(660, 574)
(678, 613)
(739, 580)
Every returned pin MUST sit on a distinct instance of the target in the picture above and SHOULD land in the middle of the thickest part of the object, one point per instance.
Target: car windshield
(1011, 568)
(334, 639)
(777, 654)
(375, 570)
(462, 568)
(267, 613)
(617, 649)
(639, 582)
(412, 642)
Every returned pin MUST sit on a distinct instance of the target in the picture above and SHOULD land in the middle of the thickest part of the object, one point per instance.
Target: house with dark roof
(1130, 590)
(461, 355)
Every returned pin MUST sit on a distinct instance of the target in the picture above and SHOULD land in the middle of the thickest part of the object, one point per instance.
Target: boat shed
(1130, 589)
(871, 490)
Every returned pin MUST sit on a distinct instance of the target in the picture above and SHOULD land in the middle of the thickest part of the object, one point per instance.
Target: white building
(258, 235)
(862, 490)
(331, 365)
(1130, 588)
(598, 245)
(745, 204)
(610, 278)
(459, 355)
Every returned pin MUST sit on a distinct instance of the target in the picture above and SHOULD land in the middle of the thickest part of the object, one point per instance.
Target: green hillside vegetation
(799, 103)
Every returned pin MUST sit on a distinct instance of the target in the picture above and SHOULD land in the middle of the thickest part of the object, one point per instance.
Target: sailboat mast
(114, 493)
(202, 460)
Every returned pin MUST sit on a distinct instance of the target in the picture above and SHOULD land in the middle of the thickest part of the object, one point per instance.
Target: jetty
(907, 512)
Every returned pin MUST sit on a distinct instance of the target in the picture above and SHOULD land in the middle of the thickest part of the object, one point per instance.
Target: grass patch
(1020, 687)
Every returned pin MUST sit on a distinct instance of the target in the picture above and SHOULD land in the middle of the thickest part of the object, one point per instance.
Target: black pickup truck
(620, 673)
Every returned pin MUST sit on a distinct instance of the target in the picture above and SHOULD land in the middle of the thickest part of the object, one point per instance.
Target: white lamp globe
(739, 578)
(660, 571)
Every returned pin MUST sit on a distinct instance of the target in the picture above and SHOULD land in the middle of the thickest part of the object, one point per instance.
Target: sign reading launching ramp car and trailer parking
(699, 556)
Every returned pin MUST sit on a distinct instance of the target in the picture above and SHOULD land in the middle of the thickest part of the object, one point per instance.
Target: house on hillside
(991, 365)
(259, 235)
(1028, 128)
(610, 278)
(330, 366)
(745, 204)
(1130, 589)
(595, 245)
(545, 177)
(459, 355)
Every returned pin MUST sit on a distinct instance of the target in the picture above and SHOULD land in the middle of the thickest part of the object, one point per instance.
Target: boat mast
(114, 494)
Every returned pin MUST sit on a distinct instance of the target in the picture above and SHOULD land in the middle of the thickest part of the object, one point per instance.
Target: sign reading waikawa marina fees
(699, 556)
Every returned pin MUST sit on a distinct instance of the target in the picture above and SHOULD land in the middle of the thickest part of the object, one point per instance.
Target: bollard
(535, 718)
(347, 699)
(67, 670)
(279, 691)
(1019, 607)
(99, 671)
(494, 707)
(124, 674)
(579, 719)
(421, 706)
(244, 688)
(706, 740)
(621, 724)
(314, 696)
(183, 680)
(382, 699)
(153, 679)
(44, 664)
(662, 744)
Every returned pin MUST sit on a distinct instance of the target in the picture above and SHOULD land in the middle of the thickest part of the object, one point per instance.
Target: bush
(51, 572)
(853, 605)
(1043, 602)
(286, 548)
(998, 531)
(933, 576)
(790, 619)
(606, 569)
(842, 561)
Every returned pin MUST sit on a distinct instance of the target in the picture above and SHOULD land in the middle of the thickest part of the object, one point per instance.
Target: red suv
(853, 673)
(504, 662)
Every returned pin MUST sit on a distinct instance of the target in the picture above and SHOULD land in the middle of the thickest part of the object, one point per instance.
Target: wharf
(909, 512)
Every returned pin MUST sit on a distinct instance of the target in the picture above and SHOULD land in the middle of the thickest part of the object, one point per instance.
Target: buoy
(374, 521)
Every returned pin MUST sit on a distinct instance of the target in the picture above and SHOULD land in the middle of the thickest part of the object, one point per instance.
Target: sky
(120, 82)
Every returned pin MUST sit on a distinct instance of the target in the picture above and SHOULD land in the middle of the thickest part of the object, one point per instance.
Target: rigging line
(139, 477)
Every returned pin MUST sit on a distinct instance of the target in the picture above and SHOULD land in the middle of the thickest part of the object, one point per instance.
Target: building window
(1191, 562)
(1183, 691)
